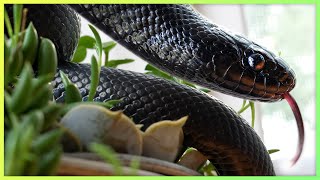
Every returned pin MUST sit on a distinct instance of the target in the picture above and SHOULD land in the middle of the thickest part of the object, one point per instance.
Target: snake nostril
(289, 81)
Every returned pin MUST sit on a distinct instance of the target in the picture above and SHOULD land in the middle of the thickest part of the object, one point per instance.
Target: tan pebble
(92, 123)
(163, 140)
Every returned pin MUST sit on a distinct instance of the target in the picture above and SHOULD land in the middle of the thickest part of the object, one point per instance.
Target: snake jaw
(295, 109)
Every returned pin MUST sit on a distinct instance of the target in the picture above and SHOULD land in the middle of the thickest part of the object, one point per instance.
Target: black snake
(179, 41)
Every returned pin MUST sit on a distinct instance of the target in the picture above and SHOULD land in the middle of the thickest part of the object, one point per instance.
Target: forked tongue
(295, 109)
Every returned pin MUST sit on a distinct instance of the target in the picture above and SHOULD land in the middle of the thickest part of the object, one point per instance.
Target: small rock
(163, 140)
(93, 123)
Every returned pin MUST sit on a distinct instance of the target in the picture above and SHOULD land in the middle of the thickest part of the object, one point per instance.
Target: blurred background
(287, 30)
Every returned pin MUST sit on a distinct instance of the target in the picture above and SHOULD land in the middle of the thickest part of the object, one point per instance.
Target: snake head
(251, 72)
(270, 76)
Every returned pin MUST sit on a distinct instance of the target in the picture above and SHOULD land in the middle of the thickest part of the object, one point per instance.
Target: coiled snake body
(177, 40)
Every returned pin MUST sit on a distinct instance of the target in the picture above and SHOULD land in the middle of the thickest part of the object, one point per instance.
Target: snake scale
(179, 41)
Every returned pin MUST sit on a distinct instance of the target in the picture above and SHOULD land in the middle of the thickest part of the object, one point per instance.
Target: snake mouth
(256, 87)
(272, 90)
(233, 75)
(267, 90)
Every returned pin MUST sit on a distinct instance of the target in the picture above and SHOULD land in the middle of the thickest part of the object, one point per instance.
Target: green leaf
(116, 63)
(87, 42)
(17, 147)
(95, 73)
(12, 164)
(80, 54)
(270, 151)
(31, 167)
(17, 14)
(51, 113)
(107, 46)
(22, 90)
(188, 83)
(30, 44)
(8, 23)
(72, 92)
(42, 97)
(45, 142)
(98, 44)
(157, 72)
(49, 162)
(39, 82)
(204, 90)
(26, 136)
(149, 67)
(108, 155)
(15, 63)
(6, 63)
(47, 57)
(12, 120)
(111, 103)
(34, 118)
(65, 80)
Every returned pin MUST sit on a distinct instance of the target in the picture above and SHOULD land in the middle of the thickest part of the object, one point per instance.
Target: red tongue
(295, 109)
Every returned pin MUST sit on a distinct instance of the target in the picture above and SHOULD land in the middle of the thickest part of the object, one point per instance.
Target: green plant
(87, 43)
(157, 72)
(32, 144)
(32, 135)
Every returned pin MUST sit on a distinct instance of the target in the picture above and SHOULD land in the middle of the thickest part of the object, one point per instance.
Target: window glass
(288, 30)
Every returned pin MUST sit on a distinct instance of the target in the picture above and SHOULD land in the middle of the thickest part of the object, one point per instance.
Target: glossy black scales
(213, 128)
(59, 23)
(181, 42)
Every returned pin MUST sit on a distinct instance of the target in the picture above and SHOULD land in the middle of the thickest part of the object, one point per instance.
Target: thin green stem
(252, 113)
(24, 21)
(17, 12)
(106, 59)
(243, 108)
(95, 74)
(244, 103)
(8, 24)
(98, 44)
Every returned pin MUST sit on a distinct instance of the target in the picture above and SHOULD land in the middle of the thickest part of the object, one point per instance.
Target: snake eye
(256, 61)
